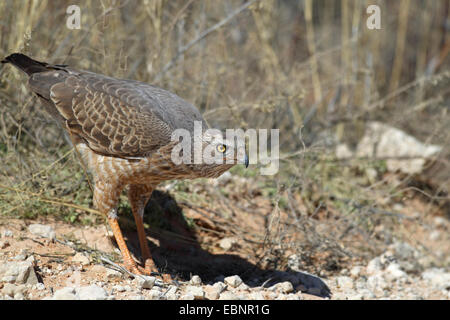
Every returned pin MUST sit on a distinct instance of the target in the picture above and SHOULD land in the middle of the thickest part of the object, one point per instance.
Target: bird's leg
(138, 196)
(106, 198)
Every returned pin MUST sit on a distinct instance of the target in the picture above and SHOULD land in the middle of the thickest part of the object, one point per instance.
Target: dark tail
(26, 64)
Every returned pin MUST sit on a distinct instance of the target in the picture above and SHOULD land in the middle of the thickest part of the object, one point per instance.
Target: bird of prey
(123, 131)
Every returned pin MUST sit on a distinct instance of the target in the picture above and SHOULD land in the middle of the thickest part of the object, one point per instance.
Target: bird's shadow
(179, 253)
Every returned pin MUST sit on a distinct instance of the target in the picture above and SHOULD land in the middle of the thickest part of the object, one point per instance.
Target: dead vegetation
(310, 68)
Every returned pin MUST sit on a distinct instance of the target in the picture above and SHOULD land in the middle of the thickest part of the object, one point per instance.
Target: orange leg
(138, 196)
(106, 198)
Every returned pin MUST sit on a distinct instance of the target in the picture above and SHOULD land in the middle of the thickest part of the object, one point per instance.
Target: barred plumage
(122, 129)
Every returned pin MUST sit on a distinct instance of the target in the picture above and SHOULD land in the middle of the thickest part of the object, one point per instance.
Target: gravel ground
(401, 272)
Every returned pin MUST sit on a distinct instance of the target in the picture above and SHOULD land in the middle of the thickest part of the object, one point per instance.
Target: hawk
(123, 131)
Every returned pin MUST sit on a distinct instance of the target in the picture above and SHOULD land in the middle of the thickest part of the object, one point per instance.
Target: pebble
(284, 287)
(195, 280)
(394, 272)
(145, 282)
(211, 292)
(233, 281)
(196, 291)
(92, 292)
(42, 231)
(154, 294)
(111, 274)
(227, 243)
(438, 277)
(356, 271)
(11, 290)
(66, 293)
(220, 286)
(18, 272)
(374, 266)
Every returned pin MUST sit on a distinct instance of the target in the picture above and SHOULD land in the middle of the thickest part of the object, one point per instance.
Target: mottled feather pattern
(122, 129)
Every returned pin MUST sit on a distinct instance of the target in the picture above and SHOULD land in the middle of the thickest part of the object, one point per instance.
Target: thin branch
(202, 35)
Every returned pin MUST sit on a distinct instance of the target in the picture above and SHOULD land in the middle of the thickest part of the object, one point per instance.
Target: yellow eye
(221, 148)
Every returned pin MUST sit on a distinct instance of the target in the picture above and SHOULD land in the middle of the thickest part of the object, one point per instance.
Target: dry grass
(310, 68)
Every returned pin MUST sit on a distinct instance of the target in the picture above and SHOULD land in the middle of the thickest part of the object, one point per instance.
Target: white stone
(233, 281)
(356, 271)
(92, 292)
(196, 291)
(227, 243)
(384, 141)
(395, 272)
(195, 280)
(42, 230)
(66, 293)
(145, 282)
(375, 266)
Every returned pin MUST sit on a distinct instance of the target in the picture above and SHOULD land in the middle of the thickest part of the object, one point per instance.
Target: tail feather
(25, 63)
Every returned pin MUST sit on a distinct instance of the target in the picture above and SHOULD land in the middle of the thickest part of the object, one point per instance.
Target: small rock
(395, 272)
(439, 278)
(92, 292)
(145, 282)
(220, 286)
(356, 271)
(227, 243)
(171, 296)
(42, 231)
(211, 293)
(344, 282)
(284, 287)
(66, 293)
(137, 297)
(11, 290)
(111, 274)
(233, 281)
(196, 291)
(243, 287)
(154, 294)
(119, 288)
(80, 258)
(227, 295)
(195, 280)
(375, 266)
(21, 272)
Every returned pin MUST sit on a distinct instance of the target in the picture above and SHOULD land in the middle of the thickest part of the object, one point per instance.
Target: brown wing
(120, 118)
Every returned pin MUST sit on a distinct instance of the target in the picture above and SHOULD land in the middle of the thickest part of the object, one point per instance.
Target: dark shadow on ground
(183, 256)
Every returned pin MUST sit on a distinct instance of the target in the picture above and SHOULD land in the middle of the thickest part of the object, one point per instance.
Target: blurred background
(363, 117)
